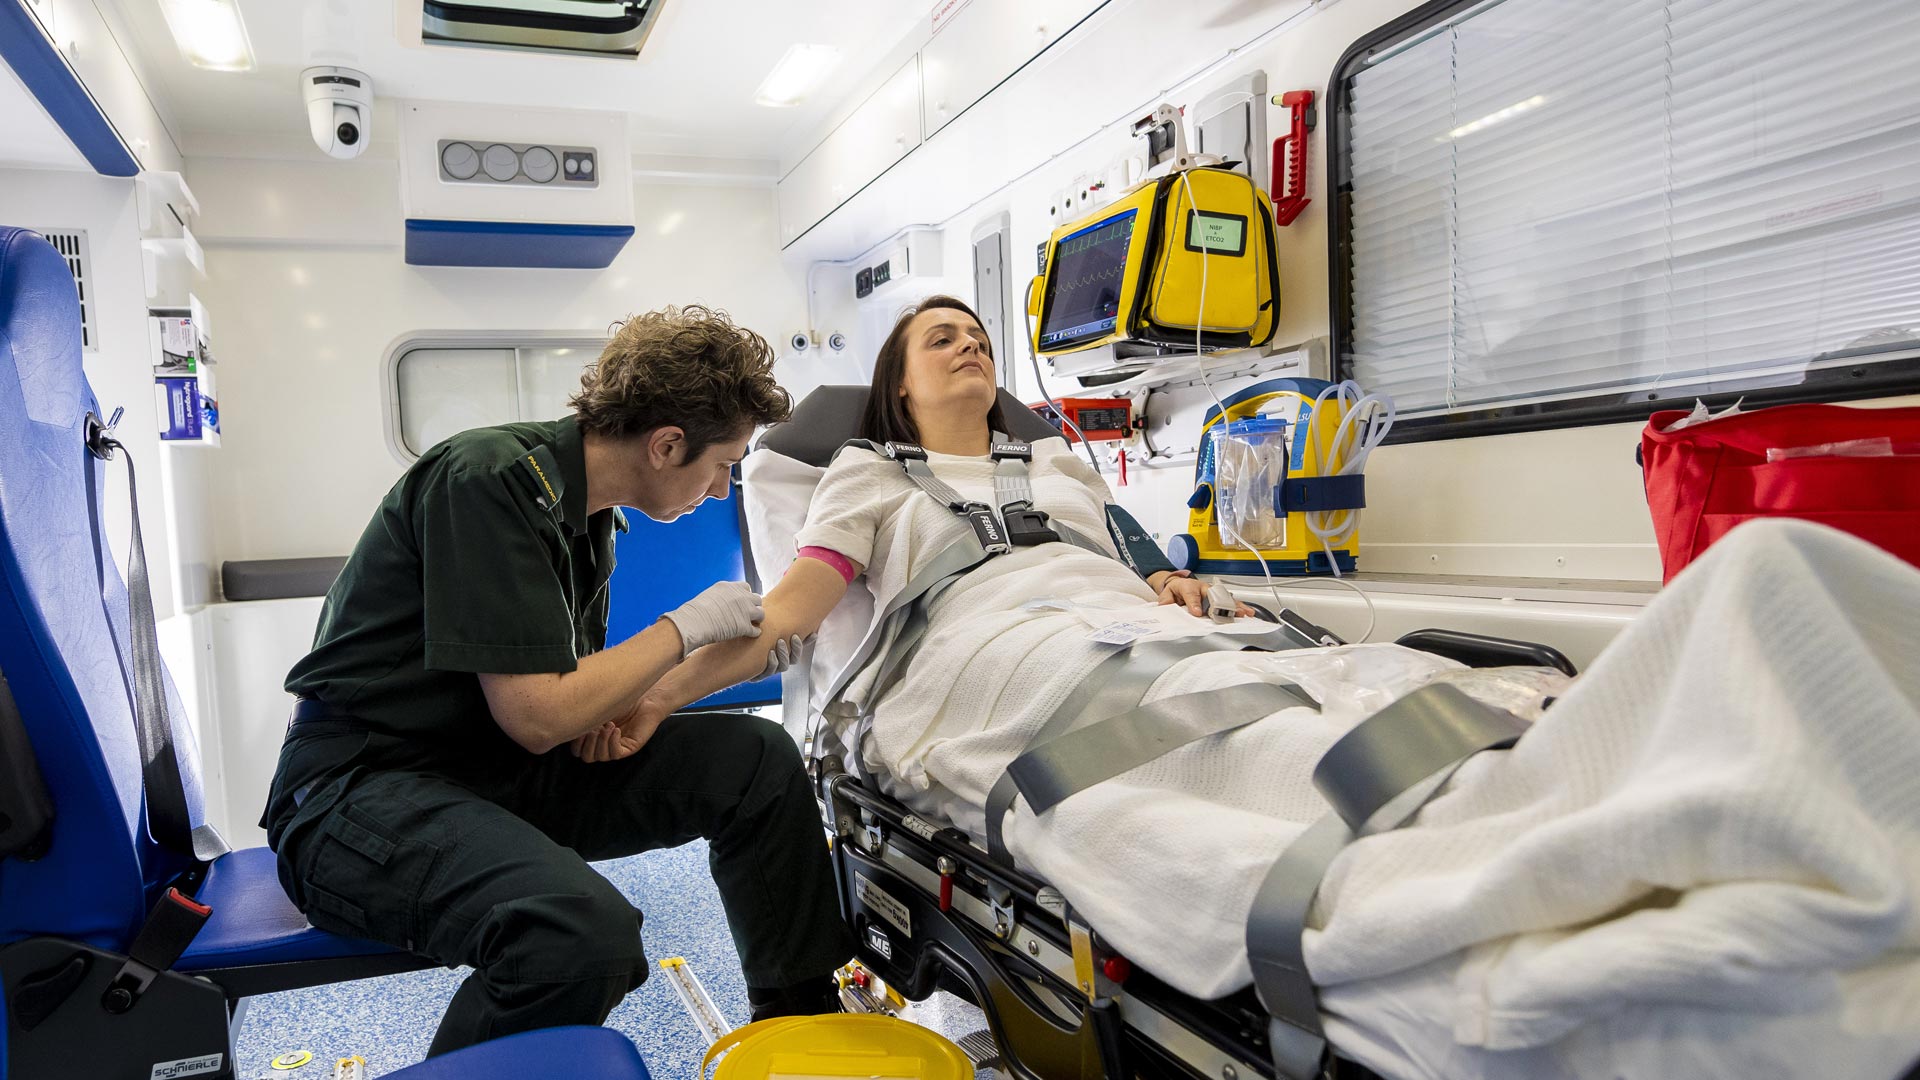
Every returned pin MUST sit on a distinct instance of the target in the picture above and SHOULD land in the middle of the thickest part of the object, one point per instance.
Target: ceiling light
(210, 33)
(1493, 118)
(799, 73)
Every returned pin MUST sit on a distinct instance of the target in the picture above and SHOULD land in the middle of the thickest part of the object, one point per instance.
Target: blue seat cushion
(591, 1053)
(253, 922)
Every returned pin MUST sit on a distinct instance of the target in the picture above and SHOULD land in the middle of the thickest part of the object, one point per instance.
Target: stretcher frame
(1008, 942)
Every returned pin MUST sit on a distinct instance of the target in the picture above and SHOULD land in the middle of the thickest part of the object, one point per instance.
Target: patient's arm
(797, 605)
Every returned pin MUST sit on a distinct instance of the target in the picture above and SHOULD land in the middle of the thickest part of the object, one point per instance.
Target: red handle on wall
(1290, 159)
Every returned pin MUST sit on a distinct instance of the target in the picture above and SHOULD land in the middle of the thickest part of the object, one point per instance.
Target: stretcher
(932, 910)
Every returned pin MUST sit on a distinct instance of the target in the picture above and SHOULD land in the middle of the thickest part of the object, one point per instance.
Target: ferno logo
(170, 1070)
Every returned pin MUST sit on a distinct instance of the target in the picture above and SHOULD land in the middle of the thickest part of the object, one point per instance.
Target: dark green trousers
(498, 879)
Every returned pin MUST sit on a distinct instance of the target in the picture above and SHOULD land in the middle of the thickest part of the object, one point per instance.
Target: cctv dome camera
(339, 109)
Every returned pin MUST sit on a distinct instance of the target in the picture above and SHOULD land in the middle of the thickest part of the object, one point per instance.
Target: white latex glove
(723, 612)
(782, 656)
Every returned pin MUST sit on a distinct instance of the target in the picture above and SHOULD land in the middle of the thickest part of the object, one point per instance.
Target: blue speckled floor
(390, 1021)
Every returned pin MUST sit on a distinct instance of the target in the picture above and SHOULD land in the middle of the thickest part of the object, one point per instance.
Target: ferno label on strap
(1856, 469)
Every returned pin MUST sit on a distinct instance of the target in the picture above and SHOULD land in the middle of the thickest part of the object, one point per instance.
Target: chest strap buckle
(1027, 526)
(986, 529)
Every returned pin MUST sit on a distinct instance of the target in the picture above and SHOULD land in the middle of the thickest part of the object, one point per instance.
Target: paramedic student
(464, 740)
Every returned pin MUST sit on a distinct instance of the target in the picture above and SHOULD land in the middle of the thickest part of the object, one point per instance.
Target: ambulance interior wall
(308, 292)
(1553, 505)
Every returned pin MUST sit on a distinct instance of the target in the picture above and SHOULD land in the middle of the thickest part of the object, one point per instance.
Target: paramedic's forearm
(543, 711)
(797, 605)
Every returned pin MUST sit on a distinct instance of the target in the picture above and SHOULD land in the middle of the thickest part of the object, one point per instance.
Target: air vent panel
(72, 246)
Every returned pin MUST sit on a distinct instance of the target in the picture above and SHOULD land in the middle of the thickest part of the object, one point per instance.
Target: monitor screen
(1083, 291)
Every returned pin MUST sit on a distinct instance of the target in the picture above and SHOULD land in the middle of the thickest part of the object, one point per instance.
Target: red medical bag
(1855, 469)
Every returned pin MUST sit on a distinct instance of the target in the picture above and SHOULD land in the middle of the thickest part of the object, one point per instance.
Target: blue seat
(74, 895)
(588, 1053)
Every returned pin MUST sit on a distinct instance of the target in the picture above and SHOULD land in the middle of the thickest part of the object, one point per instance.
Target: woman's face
(949, 366)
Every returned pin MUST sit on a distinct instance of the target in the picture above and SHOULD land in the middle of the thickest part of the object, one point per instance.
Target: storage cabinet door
(884, 129)
(983, 43)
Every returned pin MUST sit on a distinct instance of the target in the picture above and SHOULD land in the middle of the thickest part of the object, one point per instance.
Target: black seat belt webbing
(172, 925)
(168, 818)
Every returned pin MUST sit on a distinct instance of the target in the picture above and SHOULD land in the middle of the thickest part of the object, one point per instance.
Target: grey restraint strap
(957, 558)
(1000, 797)
(1114, 687)
(913, 630)
(1011, 484)
(1376, 778)
(1078, 760)
(922, 474)
(1013, 495)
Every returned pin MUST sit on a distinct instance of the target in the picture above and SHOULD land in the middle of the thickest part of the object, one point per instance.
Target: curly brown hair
(686, 367)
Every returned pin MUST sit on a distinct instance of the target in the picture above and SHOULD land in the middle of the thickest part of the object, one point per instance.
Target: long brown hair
(886, 418)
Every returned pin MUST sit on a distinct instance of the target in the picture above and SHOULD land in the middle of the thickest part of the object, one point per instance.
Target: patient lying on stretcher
(1722, 818)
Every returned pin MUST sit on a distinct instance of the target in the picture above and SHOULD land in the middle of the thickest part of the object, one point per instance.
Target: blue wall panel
(528, 245)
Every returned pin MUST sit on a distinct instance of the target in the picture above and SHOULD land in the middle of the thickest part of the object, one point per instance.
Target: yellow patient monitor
(1131, 275)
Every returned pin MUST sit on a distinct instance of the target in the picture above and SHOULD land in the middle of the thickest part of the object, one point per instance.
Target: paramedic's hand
(621, 738)
(782, 656)
(1191, 593)
(724, 612)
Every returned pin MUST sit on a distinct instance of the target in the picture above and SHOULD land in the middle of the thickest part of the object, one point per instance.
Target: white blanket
(1726, 810)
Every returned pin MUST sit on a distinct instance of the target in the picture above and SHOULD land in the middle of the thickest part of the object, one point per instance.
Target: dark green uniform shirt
(481, 559)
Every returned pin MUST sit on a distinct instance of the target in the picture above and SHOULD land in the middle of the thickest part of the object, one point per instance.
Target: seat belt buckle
(902, 450)
(1003, 451)
(1027, 526)
(987, 529)
(172, 925)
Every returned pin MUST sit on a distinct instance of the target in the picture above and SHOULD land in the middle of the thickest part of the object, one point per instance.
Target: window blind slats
(1553, 199)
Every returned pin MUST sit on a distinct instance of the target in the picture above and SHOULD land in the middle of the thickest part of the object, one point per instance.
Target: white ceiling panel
(690, 92)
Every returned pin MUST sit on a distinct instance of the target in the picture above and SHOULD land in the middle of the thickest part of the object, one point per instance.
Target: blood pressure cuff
(1137, 548)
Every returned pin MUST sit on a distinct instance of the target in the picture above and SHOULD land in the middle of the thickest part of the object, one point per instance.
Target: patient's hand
(1192, 593)
(621, 738)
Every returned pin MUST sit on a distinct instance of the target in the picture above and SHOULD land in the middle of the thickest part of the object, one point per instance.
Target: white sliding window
(1559, 211)
(440, 388)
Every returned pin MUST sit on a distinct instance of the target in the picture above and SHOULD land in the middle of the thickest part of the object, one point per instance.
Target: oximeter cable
(1199, 355)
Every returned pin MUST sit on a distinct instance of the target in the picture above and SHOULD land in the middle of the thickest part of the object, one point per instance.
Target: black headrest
(826, 418)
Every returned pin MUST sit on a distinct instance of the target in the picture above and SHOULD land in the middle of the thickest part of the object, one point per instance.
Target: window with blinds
(1555, 212)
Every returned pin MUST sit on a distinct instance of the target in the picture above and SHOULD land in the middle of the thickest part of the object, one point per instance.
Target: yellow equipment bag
(1190, 251)
(847, 1044)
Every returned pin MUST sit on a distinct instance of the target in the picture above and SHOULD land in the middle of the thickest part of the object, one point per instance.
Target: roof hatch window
(594, 27)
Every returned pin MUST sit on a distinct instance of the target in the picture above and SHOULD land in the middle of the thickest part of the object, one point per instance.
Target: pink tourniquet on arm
(831, 558)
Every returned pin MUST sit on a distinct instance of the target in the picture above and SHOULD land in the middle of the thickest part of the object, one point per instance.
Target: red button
(180, 898)
(1116, 969)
